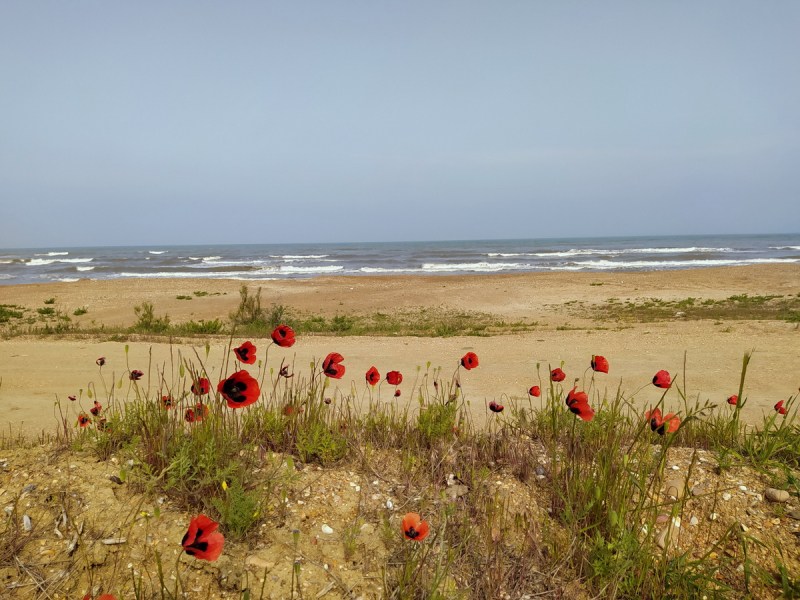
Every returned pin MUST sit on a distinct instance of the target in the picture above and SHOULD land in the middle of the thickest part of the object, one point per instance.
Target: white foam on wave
(36, 262)
(210, 258)
(85, 268)
(611, 252)
(6, 262)
(299, 256)
(183, 274)
(68, 279)
(53, 254)
(483, 267)
(158, 251)
(6, 276)
(385, 270)
(646, 264)
(319, 269)
(785, 247)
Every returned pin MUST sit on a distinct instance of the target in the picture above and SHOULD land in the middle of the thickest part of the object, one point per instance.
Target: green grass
(737, 307)
(599, 484)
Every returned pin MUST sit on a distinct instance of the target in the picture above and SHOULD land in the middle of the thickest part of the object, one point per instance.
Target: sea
(260, 262)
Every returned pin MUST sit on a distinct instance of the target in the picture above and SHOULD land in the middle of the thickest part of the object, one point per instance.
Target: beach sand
(36, 370)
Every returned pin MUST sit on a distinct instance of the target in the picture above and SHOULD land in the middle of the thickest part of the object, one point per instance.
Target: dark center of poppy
(235, 390)
(243, 352)
(412, 533)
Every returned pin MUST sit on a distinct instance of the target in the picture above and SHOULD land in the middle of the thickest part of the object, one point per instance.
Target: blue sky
(257, 122)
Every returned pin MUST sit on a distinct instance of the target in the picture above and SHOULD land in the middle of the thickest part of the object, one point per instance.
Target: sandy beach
(36, 370)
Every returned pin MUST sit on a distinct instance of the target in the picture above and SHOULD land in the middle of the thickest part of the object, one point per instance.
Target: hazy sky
(162, 122)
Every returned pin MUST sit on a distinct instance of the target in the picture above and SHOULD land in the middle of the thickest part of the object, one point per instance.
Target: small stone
(696, 491)
(744, 527)
(662, 518)
(327, 529)
(743, 488)
(675, 488)
(257, 562)
(713, 517)
(794, 514)
(669, 535)
(303, 517)
(774, 495)
(726, 496)
(712, 556)
(694, 521)
(776, 521)
(676, 468)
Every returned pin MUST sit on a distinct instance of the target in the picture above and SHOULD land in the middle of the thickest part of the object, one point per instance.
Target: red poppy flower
(166, 401)
(668, 424)
(284, 372)
(106, 597)
(469, 361)
(780, 408)
(240, 389)
(84, 419)
(104, 426)
(201, 541)
(394, 377)
(201, 387)
(288, 411)
(283, 336)
(495, 407)
(198, 413)
(397, 393)
(414, 528)
(246, 353)
(136, 375)
(101, 361)
(734, 400)
(327, 400)
(578, 403)
(661, 380)
(557, 375)
(535, 391)
(373, 377)
(600, 364)
(331, 365)
(95, 410)
(73, 398)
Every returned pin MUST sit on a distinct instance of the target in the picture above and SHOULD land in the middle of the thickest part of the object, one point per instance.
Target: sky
(167, 122)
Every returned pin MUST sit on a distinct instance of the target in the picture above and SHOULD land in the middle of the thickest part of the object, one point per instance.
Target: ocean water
(286, 261)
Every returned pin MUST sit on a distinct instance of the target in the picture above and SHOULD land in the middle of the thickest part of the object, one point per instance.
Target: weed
(50, 301)
(80, 311)
(147, 322)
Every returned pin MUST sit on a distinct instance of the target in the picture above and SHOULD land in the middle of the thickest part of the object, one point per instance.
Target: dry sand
(35, 371)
